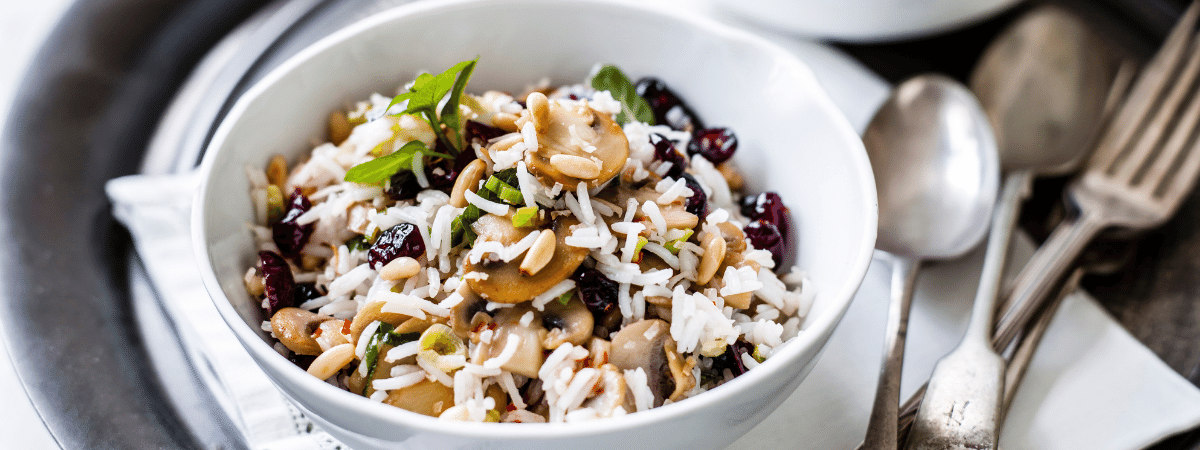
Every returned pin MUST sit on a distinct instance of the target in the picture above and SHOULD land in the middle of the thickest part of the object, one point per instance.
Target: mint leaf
(428, 90)
(451, 116)
(633, 106)
(379, 169)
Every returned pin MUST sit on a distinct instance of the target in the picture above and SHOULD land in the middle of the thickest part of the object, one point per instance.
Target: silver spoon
(1044, 84)
(936, 170)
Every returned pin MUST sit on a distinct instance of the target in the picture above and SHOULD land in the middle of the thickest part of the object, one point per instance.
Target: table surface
(1140, 306)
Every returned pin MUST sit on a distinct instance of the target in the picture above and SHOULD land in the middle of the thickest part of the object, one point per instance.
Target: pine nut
(575, 166)
(254, 282)
(331, 361)
(710, 261)
(339, 127)
(539, 108)
(539, 254)
(679, 218)
(402, 267)
(467, 179)
(507, 141)
(505, 121)
(277, 171)
(732, 177)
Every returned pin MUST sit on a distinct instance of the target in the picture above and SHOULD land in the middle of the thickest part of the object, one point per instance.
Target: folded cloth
(1091, 385)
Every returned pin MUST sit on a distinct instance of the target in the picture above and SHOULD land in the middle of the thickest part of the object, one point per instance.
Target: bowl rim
(819, 327)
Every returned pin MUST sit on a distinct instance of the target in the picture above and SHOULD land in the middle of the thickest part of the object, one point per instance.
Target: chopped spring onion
(674, 244)
(524, 216)
(637, 251)
(566, 297)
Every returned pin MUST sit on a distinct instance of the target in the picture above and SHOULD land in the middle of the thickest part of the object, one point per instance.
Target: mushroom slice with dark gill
(504, 282)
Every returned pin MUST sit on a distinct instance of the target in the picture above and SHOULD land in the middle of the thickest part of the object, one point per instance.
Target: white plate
(865, 20)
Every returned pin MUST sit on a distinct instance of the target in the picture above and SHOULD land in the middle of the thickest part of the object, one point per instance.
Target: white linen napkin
(1091, 385)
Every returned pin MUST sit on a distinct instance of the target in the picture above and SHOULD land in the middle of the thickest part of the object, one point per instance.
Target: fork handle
(1043, 272)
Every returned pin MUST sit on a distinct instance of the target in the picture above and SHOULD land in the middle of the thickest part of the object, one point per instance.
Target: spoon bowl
(934, 157)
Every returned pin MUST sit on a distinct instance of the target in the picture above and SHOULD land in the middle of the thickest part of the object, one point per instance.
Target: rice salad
(569, 253)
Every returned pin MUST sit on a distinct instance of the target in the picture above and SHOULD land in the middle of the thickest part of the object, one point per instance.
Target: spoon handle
(961, 406)
(883, 426)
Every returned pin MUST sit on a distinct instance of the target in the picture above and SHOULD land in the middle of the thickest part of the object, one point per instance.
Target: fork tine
(1185, 163)
(1145, 92)
(1149, 149)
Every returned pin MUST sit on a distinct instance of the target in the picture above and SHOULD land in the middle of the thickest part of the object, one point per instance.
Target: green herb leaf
(428, 90)
(359, 242)
(385, 334)
(451, 116)
(380, 169)
(633, 106)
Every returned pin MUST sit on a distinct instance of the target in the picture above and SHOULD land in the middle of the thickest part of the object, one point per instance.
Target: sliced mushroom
(592, 130)
(681, 372)
(331, 334)
(571, 323)
(430, 398)
(504, 282)
(675, 214)
(529, 356)
(643, 344)
(462, 315)
(294, 327)
(610, 392)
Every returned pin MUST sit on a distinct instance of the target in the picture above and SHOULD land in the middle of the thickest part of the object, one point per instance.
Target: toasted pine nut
(402, 267)
(507, 141)
(505, 121)
(469, 178)
(277, 171)
(732, 177)
(680, 218)
(658, 300)
(710, 261)
(575, 166)
(328, 363)
(539, 254)
(739, 301)
(339, 127)
(254, 282)
(539, 108)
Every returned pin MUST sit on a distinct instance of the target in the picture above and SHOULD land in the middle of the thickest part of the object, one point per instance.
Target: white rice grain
(655, 216)
(491, 207)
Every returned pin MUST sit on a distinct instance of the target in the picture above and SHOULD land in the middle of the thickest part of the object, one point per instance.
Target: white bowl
(792, 140)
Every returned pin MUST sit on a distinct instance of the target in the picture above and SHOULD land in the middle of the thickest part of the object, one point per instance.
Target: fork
(1145, 164)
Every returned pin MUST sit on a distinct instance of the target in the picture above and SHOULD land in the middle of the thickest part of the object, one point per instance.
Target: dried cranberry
(714, 144)
(732, 358)
(668, 108)
(698, 203)
(597, 291)
(482, 132)
(764, 235)
(403, 186)
(397, 241)
(304, 292)
(769, 206)
(303, 361)
(664, 150)
(290, 236)
(278, 285)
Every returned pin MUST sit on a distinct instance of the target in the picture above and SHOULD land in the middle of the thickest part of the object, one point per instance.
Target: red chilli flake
(511, 407)
(346, 327)
(317, 334)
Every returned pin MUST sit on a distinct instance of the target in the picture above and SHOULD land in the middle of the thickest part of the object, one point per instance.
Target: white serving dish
(792, 140)
(866, 20)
